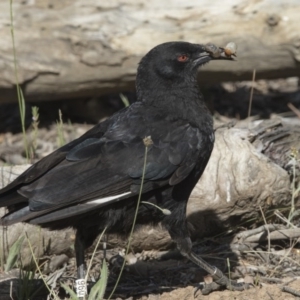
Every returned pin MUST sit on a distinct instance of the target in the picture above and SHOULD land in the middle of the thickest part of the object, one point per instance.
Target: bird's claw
(207, 288)
(224, 282)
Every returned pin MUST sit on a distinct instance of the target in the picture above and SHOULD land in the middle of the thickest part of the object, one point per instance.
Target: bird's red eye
(182, 58)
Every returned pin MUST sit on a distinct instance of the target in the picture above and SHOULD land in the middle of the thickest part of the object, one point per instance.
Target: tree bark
(85, 48)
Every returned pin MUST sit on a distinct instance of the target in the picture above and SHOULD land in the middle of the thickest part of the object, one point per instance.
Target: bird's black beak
(212, 52)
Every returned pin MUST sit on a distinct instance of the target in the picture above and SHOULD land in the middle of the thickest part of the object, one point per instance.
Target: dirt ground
(266, 292)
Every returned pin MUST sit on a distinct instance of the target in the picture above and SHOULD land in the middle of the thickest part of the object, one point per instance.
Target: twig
(294, 109)
(270, 296)
(284, 257)
(229, 274)
(269, 240)
(293, 157)
(251, 95)
(270, 279)
(246, 235)
(279, 215)
(291, 291)
(291, 233)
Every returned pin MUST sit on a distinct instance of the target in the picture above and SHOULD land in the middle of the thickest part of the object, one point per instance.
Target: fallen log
(84, 48)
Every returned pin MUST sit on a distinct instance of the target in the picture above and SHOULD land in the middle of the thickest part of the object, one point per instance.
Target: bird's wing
(102, 169)
(49, 162)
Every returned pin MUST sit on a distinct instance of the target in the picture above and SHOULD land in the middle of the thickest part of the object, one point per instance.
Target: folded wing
(103, 166)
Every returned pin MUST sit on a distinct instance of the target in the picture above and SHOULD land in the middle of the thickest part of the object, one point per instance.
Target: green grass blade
(14, 253)
(93, 255)
(98, 290)
(70, 291)
(147, 142)
(124, 100)
(39, 269)
(60, 130)
(21, 100)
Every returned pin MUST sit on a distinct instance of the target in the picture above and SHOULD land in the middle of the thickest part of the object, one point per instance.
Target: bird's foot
(220, 282)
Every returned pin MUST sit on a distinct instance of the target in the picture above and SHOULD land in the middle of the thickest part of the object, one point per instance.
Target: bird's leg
(220, 280)
(79, 252)
(81, 286)
(84, 239)
(178, 230)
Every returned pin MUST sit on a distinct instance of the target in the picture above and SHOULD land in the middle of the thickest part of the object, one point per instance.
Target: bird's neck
(183, 101)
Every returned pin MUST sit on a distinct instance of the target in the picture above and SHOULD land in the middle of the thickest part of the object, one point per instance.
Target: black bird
(94, 181)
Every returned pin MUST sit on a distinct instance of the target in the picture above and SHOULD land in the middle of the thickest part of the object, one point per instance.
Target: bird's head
(176, 63)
